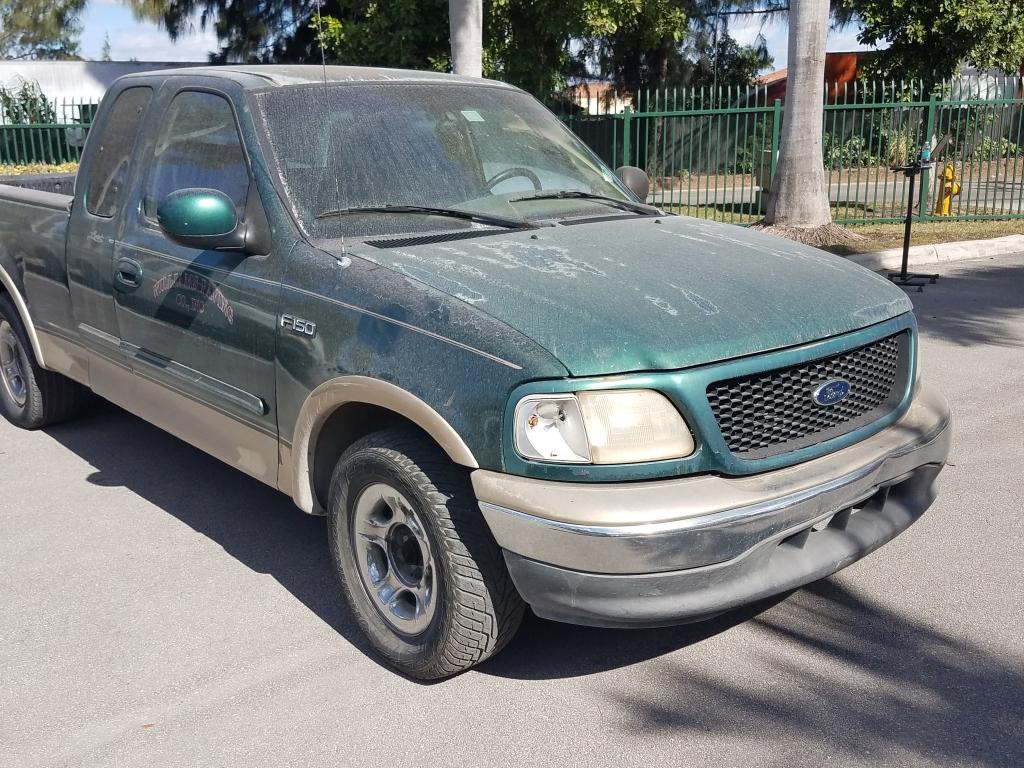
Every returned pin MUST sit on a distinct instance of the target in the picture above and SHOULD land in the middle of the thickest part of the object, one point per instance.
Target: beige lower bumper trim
(604, 504)
(662, 525)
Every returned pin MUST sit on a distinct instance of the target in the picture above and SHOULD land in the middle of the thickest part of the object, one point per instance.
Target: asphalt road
(159, 609)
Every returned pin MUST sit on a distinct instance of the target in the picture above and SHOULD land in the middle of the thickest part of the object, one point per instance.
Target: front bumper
(670, 551)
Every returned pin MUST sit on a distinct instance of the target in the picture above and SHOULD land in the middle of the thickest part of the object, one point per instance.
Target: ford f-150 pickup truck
(417, 304)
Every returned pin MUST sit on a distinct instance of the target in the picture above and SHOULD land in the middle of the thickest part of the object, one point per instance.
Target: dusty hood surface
(640, 294)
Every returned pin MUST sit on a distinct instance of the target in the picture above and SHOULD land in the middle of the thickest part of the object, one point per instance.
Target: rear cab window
(109, 172)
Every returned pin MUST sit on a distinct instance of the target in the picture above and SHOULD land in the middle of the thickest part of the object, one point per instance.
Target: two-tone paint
(242, 387)
(277, 356)
(464, 329)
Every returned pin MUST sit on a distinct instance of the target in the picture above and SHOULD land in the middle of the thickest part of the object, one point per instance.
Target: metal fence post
(923, 208)
(626, 149)
(776, 128)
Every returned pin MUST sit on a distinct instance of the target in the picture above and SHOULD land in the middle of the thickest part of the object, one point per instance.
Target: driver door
(199, 325)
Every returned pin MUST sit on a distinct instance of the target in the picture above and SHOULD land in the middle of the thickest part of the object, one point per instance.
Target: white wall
(79, 80)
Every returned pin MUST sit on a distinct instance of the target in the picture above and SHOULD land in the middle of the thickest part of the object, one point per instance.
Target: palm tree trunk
(799, 195)
(466, 26)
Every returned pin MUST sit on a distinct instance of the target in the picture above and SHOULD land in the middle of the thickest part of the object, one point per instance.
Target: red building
(841, 70)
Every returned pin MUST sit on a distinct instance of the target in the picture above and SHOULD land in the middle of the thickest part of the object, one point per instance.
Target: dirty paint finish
(650, 293)
(687, 389)
(466, 326)
(394, 327)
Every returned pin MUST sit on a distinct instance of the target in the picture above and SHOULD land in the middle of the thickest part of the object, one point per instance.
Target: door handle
(127, 275)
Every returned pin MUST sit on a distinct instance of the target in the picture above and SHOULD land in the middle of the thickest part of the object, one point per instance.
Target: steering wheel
(512, 173)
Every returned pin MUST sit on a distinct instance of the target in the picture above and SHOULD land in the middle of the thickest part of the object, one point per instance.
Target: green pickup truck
(417, 304)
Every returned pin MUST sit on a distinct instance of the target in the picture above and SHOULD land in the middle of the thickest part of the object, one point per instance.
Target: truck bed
(33, 225)
(61, 183)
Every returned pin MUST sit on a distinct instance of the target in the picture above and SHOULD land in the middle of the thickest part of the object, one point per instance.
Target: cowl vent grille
(408, 241)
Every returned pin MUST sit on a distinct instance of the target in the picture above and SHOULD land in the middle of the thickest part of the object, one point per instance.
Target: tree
(641, 44)
(401, 33)
(529, 42)
(258, 31)
(637, 44)
(798, 206)
(39, 29)
(466, 18)
(105, 51)
(535, 44)
(929, 39)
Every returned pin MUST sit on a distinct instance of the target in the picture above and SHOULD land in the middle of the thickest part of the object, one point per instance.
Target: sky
(134, 39)
(745, 30)
(148, 42)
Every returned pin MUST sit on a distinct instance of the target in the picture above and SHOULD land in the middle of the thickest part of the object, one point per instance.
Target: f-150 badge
(298, 325)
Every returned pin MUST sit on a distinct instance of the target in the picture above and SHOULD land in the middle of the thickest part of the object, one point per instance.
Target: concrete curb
(940, 253)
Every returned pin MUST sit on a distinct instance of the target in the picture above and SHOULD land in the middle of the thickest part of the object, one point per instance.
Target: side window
(198, 147)
(117, 142)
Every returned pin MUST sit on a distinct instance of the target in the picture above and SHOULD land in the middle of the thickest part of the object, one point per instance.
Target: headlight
(611, 427)
(550, 428)
(633, 425)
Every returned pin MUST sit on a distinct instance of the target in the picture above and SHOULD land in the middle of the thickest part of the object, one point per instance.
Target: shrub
(851, 153)
(992, 149)
(26, 103)
(901, 146)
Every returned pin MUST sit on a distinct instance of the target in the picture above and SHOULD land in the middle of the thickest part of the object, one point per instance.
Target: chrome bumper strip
(706, 532)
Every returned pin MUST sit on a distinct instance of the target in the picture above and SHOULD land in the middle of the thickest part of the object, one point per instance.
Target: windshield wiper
(576, 194)
(455, 213)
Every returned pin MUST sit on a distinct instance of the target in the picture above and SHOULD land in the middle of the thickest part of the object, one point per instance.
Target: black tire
(32, 397)
(478, 610)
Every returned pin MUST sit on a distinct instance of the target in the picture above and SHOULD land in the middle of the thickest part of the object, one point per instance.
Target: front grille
(774, 412)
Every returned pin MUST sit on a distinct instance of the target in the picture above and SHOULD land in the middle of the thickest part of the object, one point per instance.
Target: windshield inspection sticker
(472, 116)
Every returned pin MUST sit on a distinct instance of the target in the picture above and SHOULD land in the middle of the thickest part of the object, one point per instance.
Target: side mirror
(635, 179)
(201, 218)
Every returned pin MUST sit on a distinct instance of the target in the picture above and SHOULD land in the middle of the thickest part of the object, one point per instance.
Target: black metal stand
(903, 277)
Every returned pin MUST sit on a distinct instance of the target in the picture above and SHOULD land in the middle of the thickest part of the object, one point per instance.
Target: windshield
(481, 149)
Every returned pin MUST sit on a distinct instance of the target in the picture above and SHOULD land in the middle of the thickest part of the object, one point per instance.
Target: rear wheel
(30, 396)
(422, 574)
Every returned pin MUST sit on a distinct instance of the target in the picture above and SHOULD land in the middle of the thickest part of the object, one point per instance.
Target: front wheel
(422, 574)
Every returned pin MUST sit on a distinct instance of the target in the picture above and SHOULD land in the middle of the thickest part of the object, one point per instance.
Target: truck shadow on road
(255, 524)
(870, 682)
(870, 685)
(865, 678)
(263, 530)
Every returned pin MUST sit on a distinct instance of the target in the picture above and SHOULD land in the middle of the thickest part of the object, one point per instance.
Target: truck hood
(640, 294)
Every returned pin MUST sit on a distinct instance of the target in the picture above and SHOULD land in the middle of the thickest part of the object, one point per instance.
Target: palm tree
(465, 18)
(798, 207)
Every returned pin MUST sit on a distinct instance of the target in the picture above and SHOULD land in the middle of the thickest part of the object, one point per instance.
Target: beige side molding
(331, 395)
(26, 319)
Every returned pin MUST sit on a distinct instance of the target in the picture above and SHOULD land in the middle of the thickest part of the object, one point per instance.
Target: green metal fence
(55, 135)
(713, 154)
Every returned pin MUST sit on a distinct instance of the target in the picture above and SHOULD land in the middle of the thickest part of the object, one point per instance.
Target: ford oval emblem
(831, 392)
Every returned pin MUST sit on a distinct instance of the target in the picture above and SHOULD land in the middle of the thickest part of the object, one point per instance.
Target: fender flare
(22, 307)
(331, 395)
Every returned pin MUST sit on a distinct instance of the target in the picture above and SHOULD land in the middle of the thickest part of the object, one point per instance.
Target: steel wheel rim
(11, 365)
(394, 558)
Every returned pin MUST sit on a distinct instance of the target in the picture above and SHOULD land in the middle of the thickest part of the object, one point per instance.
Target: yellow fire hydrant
(950, 189)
